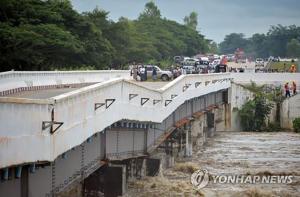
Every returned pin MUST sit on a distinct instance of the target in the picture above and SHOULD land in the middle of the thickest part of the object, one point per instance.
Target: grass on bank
(282, 66)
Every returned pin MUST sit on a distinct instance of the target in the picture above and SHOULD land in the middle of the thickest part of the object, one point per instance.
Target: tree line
(50, 34)
(282, 41)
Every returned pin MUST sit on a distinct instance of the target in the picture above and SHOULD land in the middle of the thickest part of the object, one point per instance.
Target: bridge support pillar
(210, 124)
(115, 181)
(197, 129)
(152, 166)
(169, 157)
(188, 140)
(227, 108)
(170, 161)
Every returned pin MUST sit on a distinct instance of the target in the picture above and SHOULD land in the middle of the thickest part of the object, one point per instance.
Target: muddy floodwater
(234, 153)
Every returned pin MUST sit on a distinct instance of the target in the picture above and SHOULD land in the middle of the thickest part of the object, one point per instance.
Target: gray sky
(216, 18)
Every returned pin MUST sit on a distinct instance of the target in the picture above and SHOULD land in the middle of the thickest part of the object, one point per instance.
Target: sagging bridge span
(59, 128)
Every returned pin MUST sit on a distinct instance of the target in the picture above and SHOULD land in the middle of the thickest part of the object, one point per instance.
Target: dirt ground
(236, 153)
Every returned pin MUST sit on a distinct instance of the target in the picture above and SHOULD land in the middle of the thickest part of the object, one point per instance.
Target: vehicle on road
(189, 69)
(206, 59)
(274, 59)
(214, 63)
(164, 75)
(202, 65)
(178, 59)
(191, 61)
(221, 68)
(259, 62)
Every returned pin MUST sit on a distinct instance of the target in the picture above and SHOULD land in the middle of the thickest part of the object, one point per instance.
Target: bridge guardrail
(15, 79)
(266, 78)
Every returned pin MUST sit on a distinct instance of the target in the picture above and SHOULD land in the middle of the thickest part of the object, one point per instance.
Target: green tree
(257, 46)
(247, 115)
(191, 20)
(37, 47)
(253, 113)
(150, 11)
(232, 42)
(212, 47)
(43, 35)
(293, 48)
(273, 43)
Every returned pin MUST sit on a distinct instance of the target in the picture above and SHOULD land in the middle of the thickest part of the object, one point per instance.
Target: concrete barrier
(15, 79)
(290, 109)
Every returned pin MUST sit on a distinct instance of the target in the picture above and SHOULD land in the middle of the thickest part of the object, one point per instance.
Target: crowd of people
(288, 89)
(139, 73)
(176, 71)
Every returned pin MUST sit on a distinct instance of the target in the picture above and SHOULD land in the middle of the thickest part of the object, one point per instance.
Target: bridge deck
(49, 93)
(42, 94)
(152, 85)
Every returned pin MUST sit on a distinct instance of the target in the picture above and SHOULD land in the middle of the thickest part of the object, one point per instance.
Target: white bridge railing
(28, 126)
(266, 78)
(15, 79)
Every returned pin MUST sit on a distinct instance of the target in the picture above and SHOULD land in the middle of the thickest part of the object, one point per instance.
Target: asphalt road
(42, 94)
(152, 85)
(49, 93)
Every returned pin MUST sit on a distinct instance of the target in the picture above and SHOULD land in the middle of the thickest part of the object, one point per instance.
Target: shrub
(296, 124)
(254, 113)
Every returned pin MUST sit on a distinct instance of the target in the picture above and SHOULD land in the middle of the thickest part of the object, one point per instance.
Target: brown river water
(234, 153)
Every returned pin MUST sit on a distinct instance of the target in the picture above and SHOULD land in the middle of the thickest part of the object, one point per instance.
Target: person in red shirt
(293, 68)
(287, 90)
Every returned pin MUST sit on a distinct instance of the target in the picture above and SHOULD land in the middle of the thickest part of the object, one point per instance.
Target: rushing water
(234, 153)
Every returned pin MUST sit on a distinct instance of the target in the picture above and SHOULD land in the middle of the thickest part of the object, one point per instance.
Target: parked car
(204, 59)
(259, 62)
(202, 65)
(164, 75)
(220, 68)
(178, 59)
(214, 63)
(191, 61)
(189, 69)
(274, 59)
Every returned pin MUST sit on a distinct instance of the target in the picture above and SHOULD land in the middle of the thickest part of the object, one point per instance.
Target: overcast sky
(216, 18)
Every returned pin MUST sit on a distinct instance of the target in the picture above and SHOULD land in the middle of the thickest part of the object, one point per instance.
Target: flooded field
(232, 153)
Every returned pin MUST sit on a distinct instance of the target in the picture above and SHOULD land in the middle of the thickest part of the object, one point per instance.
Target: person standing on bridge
(154, 74)
(135, 72)
(294, 86)
(142, 73)
(293, 68)
(287, 90)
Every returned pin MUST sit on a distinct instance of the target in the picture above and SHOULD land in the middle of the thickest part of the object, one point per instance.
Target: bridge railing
(86, 111)
(15, 79)
(91, 109)
(20, 131)
(266, 78)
